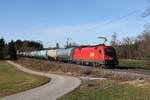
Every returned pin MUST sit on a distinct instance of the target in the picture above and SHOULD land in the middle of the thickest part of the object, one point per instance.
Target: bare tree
(114, 41)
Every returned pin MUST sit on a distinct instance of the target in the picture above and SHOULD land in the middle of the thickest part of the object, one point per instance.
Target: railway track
(117, 69)
(145, 73)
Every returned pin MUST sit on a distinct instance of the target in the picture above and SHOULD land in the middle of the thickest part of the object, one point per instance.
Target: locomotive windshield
(110, 52)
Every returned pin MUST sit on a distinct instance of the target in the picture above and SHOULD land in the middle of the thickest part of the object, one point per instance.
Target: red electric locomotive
(100, 55)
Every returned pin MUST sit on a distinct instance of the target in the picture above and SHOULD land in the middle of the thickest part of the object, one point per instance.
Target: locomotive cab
(110, 56)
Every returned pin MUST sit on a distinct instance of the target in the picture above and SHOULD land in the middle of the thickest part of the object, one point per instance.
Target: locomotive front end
(110, 56)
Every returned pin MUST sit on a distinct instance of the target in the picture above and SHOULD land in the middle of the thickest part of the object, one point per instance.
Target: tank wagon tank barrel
(65, 54)
(52, 55)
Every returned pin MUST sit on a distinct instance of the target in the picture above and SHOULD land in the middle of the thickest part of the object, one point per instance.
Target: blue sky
(52, 21)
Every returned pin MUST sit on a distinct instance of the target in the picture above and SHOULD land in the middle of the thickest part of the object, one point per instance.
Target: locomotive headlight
(109, 58)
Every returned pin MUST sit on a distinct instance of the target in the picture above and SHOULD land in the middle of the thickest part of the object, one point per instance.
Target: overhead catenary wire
(120, 18)
(125, 16)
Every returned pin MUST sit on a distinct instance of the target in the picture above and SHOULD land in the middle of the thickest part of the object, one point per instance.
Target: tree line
(133, 47)
(9, 50)
(28, 45)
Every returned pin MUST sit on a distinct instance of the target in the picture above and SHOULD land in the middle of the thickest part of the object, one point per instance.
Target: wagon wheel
(95, 64)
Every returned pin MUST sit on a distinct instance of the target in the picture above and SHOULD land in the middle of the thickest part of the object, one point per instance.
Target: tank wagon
(99, 55)
(51, 54)
(65, 54)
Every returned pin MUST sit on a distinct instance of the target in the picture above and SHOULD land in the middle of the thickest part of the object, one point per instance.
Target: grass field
(132, 64)
(109, 91)
(13, 80)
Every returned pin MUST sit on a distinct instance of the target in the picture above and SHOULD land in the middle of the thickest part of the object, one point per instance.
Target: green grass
(131, 64)
(109, 91)
(13, 80)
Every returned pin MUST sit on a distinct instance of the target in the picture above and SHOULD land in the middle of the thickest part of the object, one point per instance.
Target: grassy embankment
(110, 90)
(13, 80)
(134, 64)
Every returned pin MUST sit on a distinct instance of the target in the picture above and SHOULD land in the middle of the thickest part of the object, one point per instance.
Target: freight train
(99, 55)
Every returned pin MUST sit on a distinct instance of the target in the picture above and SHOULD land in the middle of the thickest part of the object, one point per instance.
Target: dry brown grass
(147, 64)
(71, 69)
(138, 83)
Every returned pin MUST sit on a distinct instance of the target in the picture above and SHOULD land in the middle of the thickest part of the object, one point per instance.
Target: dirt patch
(137, 83)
